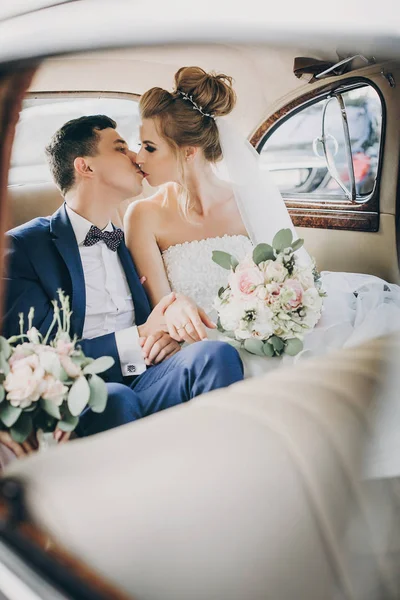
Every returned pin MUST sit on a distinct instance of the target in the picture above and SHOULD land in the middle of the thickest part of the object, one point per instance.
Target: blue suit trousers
(196, 369)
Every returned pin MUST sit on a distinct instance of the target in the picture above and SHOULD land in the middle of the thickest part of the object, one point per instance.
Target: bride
(184, 138)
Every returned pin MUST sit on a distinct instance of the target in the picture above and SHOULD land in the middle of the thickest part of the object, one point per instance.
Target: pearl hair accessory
(195, 105)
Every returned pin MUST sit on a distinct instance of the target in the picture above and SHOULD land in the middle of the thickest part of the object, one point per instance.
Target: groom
(78, 250)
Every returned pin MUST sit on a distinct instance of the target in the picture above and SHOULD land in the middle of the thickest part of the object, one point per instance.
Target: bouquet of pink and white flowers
(271, 300)
(45, 384)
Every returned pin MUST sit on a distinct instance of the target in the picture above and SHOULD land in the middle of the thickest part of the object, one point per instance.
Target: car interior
(284, 513)
(278, 110)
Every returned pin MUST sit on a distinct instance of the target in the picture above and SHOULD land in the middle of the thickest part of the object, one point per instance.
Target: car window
(42, 116)
(294, 152)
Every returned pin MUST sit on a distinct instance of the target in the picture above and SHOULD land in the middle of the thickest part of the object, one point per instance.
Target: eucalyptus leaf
(5, 347)
(254, 346)
(221, 291)
(68, 422)
(234, 263)
(64, 377)
(4, 367)
(283, 239)
(50, 408)
(78, 396)
(223, 259)
(277, 343)
(293, 346)
(22, 428)
(263, 252)
(2, 393)
(9, 414)
(81, 360)
(297, 244)
(98, 394)
(99, 365)
(268, 349)
(219, 326)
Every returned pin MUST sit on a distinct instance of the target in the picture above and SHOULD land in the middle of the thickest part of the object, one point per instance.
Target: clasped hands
(175, 319)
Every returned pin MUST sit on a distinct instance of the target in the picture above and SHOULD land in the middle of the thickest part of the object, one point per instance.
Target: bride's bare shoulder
(151, 210)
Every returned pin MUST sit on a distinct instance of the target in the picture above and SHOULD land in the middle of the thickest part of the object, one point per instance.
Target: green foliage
(282, 239)
(99, 365)
(78, 396)
(268, 349)
(277, 343)
(4, 368)
(50, 408)
(221, 291)
(254, 346)
(293, 346)
(9, 414)
(219, 326)
(98, 394)
(234, 262)
(224, 259)
(68, 422)
(5, 347)
(22, 428)
(297, 244)
(263, 252)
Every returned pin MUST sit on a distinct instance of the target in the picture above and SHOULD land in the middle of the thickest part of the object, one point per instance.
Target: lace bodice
(191, 270)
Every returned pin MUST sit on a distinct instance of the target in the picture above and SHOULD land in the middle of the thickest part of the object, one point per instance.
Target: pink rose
(297, 293)
(245, 282)
(273, 291)
(54, 390)
(64, 347)
(24, 383)
(21, 351)
(71, 369)
(246, 263)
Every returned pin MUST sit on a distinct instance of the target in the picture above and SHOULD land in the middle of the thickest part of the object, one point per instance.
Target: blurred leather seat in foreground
(252, 492)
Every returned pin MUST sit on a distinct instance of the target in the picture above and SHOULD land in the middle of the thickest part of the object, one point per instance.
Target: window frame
(58, 94)
(328, 212)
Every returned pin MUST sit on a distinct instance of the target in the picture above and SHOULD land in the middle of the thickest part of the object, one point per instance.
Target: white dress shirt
(109, 305)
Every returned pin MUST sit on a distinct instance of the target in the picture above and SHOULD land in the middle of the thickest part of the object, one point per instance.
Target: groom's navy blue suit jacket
(42, 257)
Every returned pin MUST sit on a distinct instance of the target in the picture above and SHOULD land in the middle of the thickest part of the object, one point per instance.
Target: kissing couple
(138, 295)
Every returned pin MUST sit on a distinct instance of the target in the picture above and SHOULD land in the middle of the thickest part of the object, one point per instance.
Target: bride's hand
(19, 450)
(30, 445)
(186, 321)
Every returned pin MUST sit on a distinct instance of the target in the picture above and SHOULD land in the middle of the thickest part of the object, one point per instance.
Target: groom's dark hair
(78, 137)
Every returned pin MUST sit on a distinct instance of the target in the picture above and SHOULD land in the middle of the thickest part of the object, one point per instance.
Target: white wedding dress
(357, 307)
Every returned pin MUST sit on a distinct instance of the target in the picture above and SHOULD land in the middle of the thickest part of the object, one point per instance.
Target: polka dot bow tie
(111, 238)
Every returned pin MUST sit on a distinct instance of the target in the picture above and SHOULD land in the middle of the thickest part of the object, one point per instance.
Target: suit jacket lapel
(139, 297)
(65, 241)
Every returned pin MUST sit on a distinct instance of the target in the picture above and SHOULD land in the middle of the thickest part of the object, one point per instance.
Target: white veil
(259, 201)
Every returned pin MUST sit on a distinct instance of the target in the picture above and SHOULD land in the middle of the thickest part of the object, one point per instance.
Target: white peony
(312, 299)
(305, 277)
(274, 271)
(230, 315)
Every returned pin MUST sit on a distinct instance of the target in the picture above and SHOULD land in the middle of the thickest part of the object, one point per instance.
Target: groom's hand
(186, 322)
(158, 347)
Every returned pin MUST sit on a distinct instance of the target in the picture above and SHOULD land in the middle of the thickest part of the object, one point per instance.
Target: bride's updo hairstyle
(180, 124)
